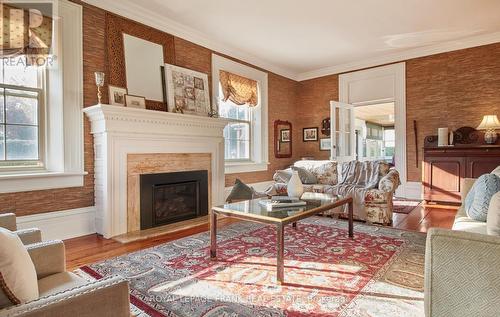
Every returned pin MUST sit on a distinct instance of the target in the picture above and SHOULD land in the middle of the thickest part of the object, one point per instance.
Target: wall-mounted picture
(132, 101)
(310, 134)
(117, 95)
(325, 144)
(187, 91)
(285, 135)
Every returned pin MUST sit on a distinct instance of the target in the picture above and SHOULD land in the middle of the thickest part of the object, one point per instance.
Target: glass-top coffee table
(251, 210)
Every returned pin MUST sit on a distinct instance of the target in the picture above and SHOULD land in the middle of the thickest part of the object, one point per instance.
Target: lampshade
(490, 122)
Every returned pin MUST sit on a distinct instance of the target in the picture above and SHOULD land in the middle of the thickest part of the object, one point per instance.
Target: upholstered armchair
(63, 293)
(27, 236)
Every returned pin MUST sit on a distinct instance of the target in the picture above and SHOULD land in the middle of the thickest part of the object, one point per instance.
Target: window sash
(249, 140)
(7, 165)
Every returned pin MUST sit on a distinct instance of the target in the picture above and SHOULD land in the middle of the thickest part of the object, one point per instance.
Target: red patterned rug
(378, 273)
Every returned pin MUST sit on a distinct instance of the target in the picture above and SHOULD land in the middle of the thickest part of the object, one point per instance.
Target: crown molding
(449, 46)
(139, 13)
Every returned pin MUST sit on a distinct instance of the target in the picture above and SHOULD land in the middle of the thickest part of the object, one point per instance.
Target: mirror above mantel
(282, 139)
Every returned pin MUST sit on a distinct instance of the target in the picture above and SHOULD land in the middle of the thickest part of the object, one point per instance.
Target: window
(237, 134)
(21, 114)
(389, 142)
(246, 135)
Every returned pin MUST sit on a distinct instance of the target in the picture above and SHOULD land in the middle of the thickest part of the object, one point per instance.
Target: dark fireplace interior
(172, 197)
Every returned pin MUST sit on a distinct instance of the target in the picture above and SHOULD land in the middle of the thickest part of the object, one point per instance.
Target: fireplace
(172, 197)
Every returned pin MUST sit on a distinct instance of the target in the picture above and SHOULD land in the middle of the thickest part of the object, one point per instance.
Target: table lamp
(490, 123)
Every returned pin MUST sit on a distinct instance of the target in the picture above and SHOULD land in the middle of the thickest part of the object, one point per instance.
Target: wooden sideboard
(445, 167)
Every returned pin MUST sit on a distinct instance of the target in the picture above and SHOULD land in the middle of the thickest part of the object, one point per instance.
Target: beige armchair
(27, 236)
(64, 293)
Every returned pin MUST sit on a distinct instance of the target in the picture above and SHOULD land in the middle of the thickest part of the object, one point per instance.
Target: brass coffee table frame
(280, 226)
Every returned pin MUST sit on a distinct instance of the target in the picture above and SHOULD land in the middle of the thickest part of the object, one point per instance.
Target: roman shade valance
(240, 90)
(24, 31)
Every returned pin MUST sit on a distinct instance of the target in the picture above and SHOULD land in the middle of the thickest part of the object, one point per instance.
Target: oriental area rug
(378, 273)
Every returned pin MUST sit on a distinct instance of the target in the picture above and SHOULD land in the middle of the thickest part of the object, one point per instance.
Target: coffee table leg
(351, 216)
(294, 225)
(213, 235)
(280, 246)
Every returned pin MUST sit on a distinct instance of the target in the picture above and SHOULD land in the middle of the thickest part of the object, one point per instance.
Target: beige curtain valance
(239, 89)
(24, 32)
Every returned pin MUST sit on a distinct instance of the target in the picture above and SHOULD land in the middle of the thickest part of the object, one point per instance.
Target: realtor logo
(26, 29)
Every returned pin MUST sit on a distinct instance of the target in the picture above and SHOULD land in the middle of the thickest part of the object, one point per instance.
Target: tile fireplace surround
(128, 142)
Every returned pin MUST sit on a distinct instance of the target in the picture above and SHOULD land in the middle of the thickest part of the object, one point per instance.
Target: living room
(324, 158)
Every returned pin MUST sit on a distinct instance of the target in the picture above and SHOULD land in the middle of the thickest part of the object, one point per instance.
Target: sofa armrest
(105, 297)
(29, 236)
(8, 221)
(466, 187)
(461, 274)
(390, 182)
(48, 257)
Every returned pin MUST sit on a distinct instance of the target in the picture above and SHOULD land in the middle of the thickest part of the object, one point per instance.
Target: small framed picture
(117, 95)
(310, 134)
(135, 101)
(285, 135)
(325, 144)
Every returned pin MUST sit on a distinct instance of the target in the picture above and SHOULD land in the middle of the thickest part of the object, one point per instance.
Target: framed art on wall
(117, 95)
(132, 101)
(310, 134)
(187, 91)
(325, 144)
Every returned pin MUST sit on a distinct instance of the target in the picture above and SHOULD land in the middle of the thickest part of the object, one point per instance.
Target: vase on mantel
(295, 187)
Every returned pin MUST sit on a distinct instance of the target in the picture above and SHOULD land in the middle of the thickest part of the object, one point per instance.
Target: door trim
(398, 73)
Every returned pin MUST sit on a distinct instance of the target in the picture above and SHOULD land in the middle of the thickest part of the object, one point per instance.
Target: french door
(343, 132)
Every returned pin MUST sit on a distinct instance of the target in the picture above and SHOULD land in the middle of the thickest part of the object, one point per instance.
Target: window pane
(15, 73)
(22, 143)
(21, 110)
(237, 131)
(2, 142)
(243, 148)
(2, 119)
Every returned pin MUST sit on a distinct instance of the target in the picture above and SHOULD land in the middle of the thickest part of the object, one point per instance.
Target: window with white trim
(22, 95)
(246, 135)
(238, 133)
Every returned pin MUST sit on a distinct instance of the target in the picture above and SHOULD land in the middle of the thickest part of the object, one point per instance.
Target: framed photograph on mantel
(132, 101)
(187, 91)
(117, 95)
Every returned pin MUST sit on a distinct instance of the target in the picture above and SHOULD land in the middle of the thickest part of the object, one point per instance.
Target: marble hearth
(129, 142)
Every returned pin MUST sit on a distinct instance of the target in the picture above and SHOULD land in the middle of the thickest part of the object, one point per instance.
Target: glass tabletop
(254, 208)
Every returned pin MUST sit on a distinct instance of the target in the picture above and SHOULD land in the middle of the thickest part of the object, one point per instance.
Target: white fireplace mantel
(119, 131)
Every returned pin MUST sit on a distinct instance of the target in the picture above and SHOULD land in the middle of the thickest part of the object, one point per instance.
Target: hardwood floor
(92, 248)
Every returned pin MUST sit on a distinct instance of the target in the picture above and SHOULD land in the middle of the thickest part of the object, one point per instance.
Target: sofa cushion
(325, 171)
(242, 191)
(469, 225)
(478, 198)
(306, 177)
(496, 171)
(18, 280)
(493, 217)
(59, 282)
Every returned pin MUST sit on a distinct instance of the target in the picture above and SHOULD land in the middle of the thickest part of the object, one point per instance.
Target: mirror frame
(277, 139)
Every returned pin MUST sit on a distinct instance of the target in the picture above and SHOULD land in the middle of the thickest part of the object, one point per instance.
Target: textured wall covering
(314, 98)
(103, 51)
(451, 90)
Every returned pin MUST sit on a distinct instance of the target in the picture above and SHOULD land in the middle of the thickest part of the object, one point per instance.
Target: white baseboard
(63, 224)
(410, 190)
(260, 187)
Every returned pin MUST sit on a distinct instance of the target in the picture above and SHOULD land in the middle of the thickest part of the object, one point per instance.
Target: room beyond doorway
(375, 133)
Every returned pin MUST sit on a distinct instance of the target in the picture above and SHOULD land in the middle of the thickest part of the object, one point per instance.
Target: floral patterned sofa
(371, 184)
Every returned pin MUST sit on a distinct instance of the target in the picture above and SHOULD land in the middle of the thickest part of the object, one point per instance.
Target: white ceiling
(303, 39)
(382, 113)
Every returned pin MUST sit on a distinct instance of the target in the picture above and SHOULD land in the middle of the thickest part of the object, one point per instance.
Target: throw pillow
(493, 217)
(18, 280)
(479, 197)
(242, 191)
(282, 176)
(305, 176)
